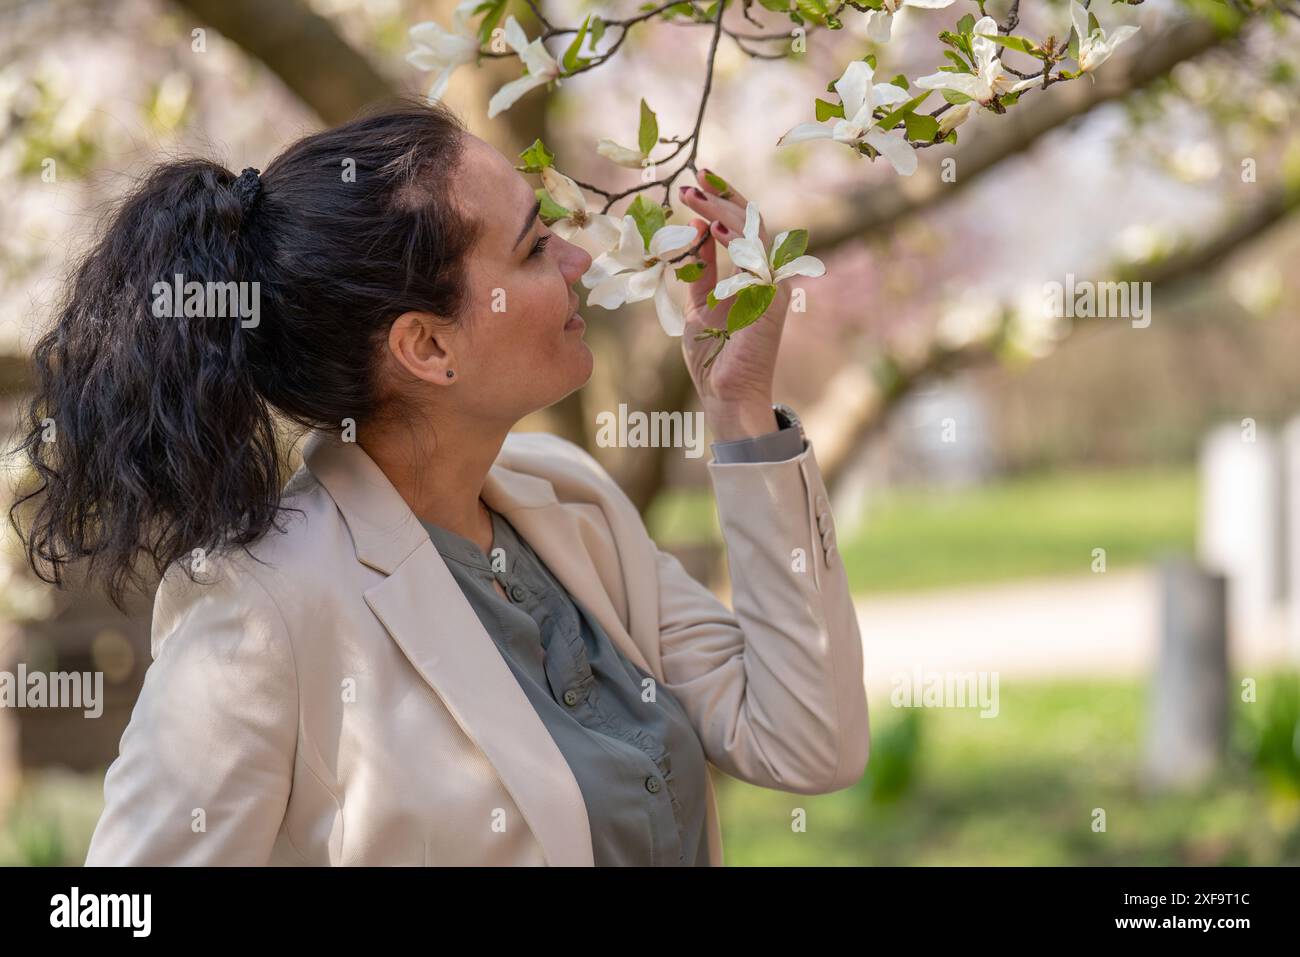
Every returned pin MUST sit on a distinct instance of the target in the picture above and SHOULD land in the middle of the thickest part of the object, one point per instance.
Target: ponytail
(209, 301)
(147, 434)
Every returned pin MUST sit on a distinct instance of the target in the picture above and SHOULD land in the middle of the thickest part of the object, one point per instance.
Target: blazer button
(823, 521)
(821, 503)
(652, 784)
(517, 593)
(570, 697)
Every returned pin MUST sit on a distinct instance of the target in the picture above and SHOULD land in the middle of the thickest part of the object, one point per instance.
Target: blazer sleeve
(776, 689)
(205, 764)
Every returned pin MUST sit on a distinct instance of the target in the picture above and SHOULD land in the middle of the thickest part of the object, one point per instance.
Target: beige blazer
(334, 700)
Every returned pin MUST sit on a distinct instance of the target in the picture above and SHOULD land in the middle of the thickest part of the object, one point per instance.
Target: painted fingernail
(723, 229)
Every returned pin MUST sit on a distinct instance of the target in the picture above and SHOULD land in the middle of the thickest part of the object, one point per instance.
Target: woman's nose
(575, 262)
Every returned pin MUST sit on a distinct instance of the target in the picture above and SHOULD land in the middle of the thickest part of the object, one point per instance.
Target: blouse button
(516, 593)
(570, 697)
(652, 784)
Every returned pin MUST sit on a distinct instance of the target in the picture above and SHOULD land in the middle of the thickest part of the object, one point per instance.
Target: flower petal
(878, 25)
(853, 86)
(671, 239)
(641, 284)
(670, 314)
(440, 83)
(749, 255)
(734, 283)
(563, 190)
(887, 94)
(622, 155)
(801, 266)
(753, 221)
(929, 4)
(983, 48)
(610, 293)
(805, 131)
(505, 97)
(603, 230)
(893, 147)
(630, 250)
(514, 35)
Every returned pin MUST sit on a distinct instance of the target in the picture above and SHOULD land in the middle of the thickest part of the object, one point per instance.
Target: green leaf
(1019, 44)
(901, 81)
(536, 158)
(825, 110)
(921, 127)
(751, 302)
(650, 217)
(711, 300)
(869, 60)
(1093, 24)
(690, 272)
(718, 183)
(958, 62)
(814, 10)
(597, 30)
(956, 98)
(648, 135)
(779, 6)
(792, 247)
(572, 56)
(492, 10)
(551, 210)
(1009, 99)
(966, 24)
(891, 120)
(951, 137)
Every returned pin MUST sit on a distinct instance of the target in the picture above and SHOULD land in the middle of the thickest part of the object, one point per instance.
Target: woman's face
(519, 347)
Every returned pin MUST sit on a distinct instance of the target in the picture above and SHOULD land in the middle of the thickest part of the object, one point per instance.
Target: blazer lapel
(423, 609)
(528, 502)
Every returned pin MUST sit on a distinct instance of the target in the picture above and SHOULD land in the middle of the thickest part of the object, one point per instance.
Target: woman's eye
(539, 246)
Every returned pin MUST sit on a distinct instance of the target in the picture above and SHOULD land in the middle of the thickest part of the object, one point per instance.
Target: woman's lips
(575, 322)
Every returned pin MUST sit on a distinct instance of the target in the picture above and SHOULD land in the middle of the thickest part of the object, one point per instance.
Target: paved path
(1094, 625)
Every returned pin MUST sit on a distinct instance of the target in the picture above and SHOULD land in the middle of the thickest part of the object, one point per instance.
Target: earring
(450, 374)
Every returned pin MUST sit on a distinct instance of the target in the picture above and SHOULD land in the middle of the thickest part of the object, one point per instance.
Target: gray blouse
(638, 762)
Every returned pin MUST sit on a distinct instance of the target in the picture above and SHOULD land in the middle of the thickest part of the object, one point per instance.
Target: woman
(440, 643)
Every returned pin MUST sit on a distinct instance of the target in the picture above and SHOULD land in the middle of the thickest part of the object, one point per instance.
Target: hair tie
(247, 187)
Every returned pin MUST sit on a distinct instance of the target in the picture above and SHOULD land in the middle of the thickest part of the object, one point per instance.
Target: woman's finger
(715, 208)
(708, 256)
(732, 194)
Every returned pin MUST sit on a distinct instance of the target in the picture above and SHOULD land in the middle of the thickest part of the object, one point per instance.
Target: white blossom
(754, 265)
(541, 68)
(989, 80)
(442, 51)
(631, 272)
(860, 97)
(1095, 47)
(878, 21)
(602, 229)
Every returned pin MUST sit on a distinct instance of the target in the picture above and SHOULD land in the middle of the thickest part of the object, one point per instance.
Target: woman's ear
(423, 346)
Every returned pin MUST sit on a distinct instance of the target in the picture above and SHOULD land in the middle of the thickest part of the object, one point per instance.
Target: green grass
(1017, 789)
(1018, 528)
(1021, 789)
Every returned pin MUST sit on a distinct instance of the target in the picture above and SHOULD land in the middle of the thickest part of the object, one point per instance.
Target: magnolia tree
(640, 254)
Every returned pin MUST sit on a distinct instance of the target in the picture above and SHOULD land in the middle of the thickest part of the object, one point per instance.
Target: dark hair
(164, 436)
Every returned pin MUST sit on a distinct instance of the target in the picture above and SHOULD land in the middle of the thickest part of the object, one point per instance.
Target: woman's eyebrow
(532, 214)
